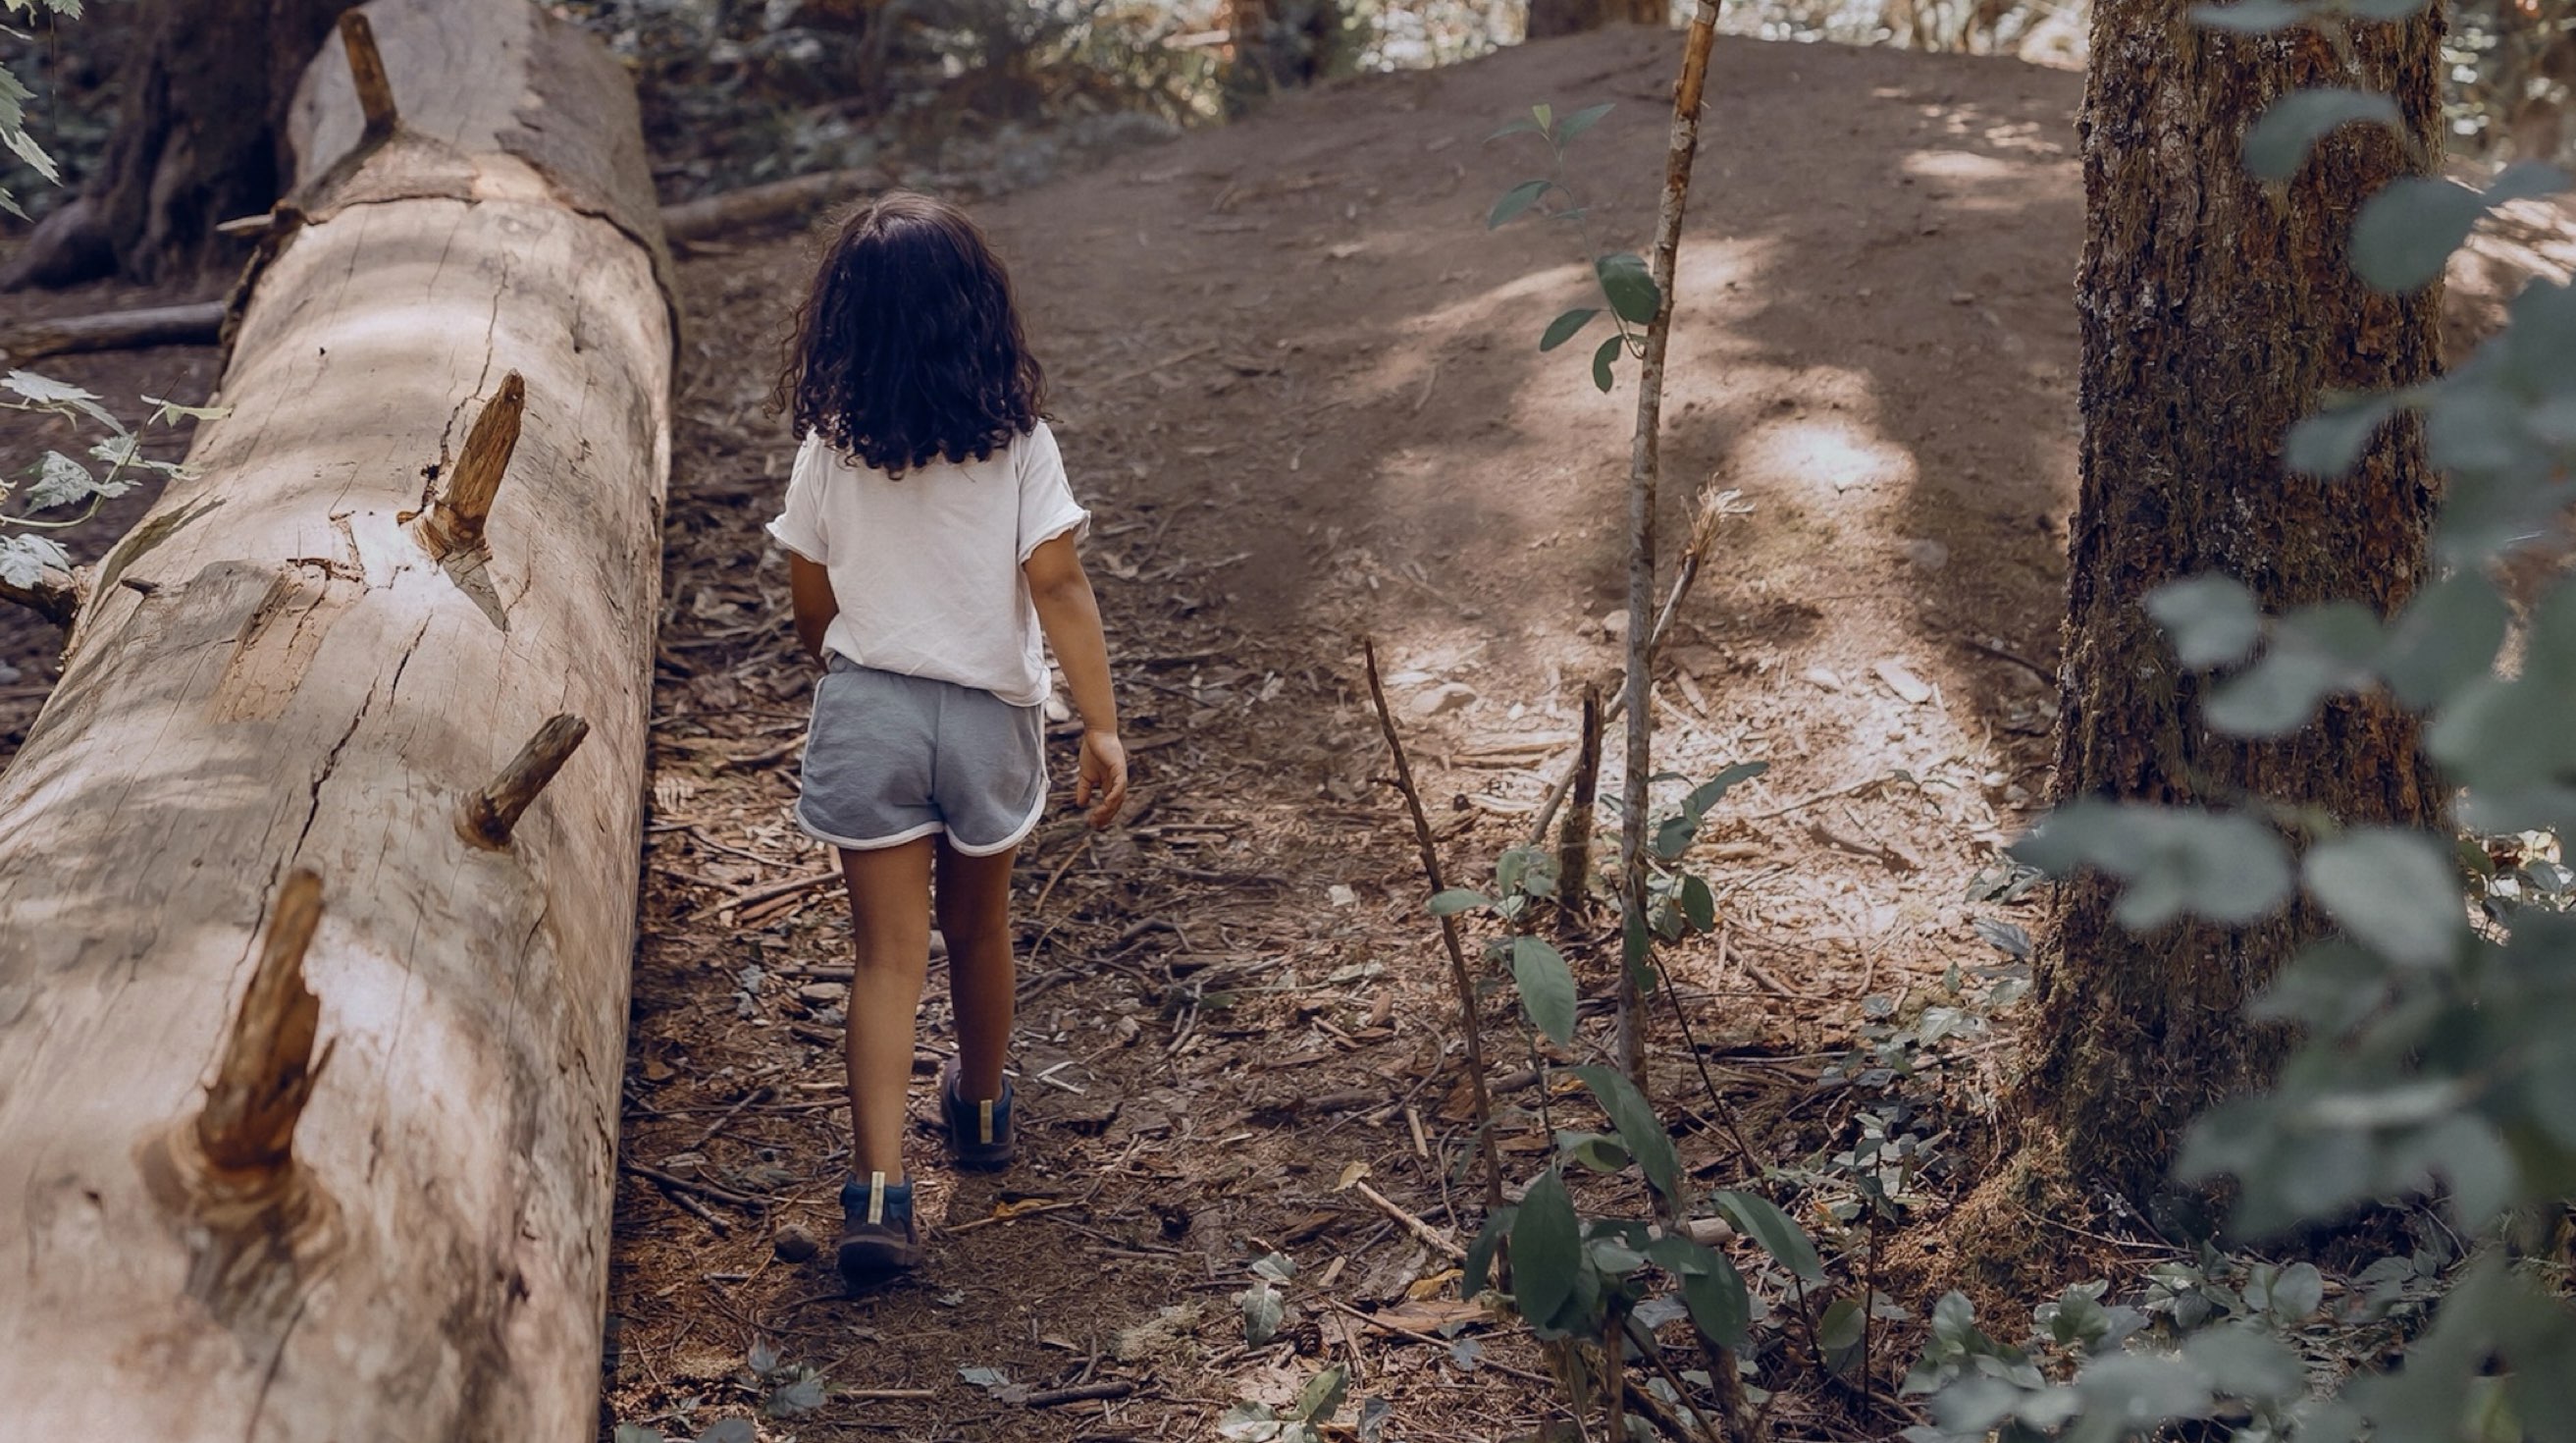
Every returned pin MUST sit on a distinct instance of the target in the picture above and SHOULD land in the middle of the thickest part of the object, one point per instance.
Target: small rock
(824, 994)
(1443, 699)
(1824, 677)
(1930, 555)
(1615, 623)
(1903, 682)
(1342, 895)
(9, 673)
(792, 1244)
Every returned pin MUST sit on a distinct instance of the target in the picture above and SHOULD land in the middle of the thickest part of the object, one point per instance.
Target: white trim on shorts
(927, 829)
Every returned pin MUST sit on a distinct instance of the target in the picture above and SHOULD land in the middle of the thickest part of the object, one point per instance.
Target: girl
(930, 537)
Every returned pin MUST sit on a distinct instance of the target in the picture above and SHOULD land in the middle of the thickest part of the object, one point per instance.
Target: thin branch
(1459, 976)
(1645, 469)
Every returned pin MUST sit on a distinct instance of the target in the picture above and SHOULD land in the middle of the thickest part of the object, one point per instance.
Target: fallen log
(312, 993)
(198, 323)
(717, 216)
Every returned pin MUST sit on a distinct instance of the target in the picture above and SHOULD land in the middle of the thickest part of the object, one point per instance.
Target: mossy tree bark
(2215, 310)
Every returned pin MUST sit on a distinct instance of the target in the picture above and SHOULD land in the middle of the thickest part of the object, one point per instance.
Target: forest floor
(1297, 380)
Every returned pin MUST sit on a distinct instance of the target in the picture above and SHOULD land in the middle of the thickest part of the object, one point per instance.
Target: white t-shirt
(926, 567)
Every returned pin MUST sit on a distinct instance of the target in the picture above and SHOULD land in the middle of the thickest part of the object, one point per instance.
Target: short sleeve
(1047, 507)
(799, 526)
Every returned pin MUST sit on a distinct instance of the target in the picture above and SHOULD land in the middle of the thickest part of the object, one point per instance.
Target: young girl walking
(931, 542)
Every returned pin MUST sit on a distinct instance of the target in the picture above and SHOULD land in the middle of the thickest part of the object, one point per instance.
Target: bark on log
(273, 674)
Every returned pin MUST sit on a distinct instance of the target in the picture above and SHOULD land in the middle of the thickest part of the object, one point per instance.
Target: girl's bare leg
(890, 927)
(975, 918)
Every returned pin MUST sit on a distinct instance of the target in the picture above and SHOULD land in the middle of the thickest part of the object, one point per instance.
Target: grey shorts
(891, 757)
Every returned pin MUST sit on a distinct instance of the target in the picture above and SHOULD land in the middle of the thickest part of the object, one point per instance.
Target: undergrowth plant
(2438, 1051)
(1596, 1287)
(43, 501)
(1627, 287)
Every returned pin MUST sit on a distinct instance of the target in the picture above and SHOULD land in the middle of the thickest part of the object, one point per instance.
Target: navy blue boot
(879, 1241)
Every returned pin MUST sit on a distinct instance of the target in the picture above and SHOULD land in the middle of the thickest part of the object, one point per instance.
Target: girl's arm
(1070, 616)
(809, 587)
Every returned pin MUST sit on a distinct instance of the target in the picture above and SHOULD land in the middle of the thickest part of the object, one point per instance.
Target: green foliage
(1627, 287)
(1304, 1422)
(14, 96)
(2438, 1029)
(57, 482)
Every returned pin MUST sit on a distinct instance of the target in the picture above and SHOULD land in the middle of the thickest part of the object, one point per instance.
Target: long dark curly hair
(908, 349)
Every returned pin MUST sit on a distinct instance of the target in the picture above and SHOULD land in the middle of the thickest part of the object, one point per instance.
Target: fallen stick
(1459, 976)
(1412, 1224)
(778, 200)
(671, 1180)
(1080, 1393)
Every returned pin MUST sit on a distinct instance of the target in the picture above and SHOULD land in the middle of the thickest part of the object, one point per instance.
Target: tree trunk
(2215, 312)
(200, 138)
(1551, 18)
(330, 1158)
(1281, 45)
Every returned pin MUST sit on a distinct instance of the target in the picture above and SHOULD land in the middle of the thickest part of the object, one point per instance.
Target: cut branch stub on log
(269, 1069)
(367, 75)
(493, 810)
(455, 521)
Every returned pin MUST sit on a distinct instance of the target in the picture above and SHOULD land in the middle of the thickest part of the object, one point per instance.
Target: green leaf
(24, 559)
(2317, 651)
(1719, 1306)
(1322, 1397)
(2277, 146)
(2393, 891)
(2213, 619)
(1546, 988)
(1263, 1309)
(1709, 793)
(1457, 900)
(802, 1396)
(1516, 200)
(1476, 1273)
(45, 391)
(1547, 1250)
(1840, 1330)
(2405, 234)
(2226, 867)
(2445, 639)
(1581, 121)
(1601, 360)
(165, 412)
(33, 154)
(1630, 287)
(60, 481)
(2331, 442)
(1640, 1130)
(2252, 17)
(1564, 327)
(637, 1433)
(1597, 1151)
(1545, 115)
(1757, 1218)
(730, 1430)
(1523, 126)
(1699, 904)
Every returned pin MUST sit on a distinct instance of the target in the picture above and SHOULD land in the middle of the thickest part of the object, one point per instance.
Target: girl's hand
(1102, 783)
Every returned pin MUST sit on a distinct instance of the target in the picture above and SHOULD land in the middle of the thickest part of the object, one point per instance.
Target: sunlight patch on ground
(1823, 455)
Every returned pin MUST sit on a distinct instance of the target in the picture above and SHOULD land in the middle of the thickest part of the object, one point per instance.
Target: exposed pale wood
(492, 810)
(273, 674)
(194, 324)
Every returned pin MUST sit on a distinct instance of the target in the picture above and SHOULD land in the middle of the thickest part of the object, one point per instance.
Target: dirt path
(1298, 381)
